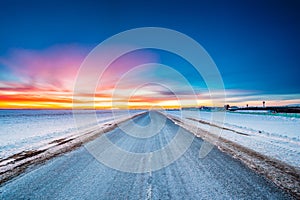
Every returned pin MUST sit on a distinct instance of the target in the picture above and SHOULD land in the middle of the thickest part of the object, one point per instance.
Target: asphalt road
(78, 175)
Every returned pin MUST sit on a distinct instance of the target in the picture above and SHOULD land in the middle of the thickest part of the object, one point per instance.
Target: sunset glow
(45, 80)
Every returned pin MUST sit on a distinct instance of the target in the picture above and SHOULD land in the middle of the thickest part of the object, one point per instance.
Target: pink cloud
(50, 74)
(55, 67)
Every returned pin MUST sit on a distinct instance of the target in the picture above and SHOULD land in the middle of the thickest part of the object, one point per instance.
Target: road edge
(29, 159)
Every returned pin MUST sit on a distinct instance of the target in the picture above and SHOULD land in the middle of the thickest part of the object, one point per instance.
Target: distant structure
(227, 107)
(270, 109)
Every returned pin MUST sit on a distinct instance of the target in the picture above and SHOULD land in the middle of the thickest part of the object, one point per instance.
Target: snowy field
(274, 135)
(22, 130)
(277, 136)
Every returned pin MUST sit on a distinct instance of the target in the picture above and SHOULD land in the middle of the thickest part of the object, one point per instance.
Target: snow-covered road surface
(78, 175)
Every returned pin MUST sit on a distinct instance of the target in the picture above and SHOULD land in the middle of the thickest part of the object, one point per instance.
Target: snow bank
(270, 135)
(29, 130)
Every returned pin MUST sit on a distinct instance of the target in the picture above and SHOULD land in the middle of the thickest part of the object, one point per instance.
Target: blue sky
(254, 44)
